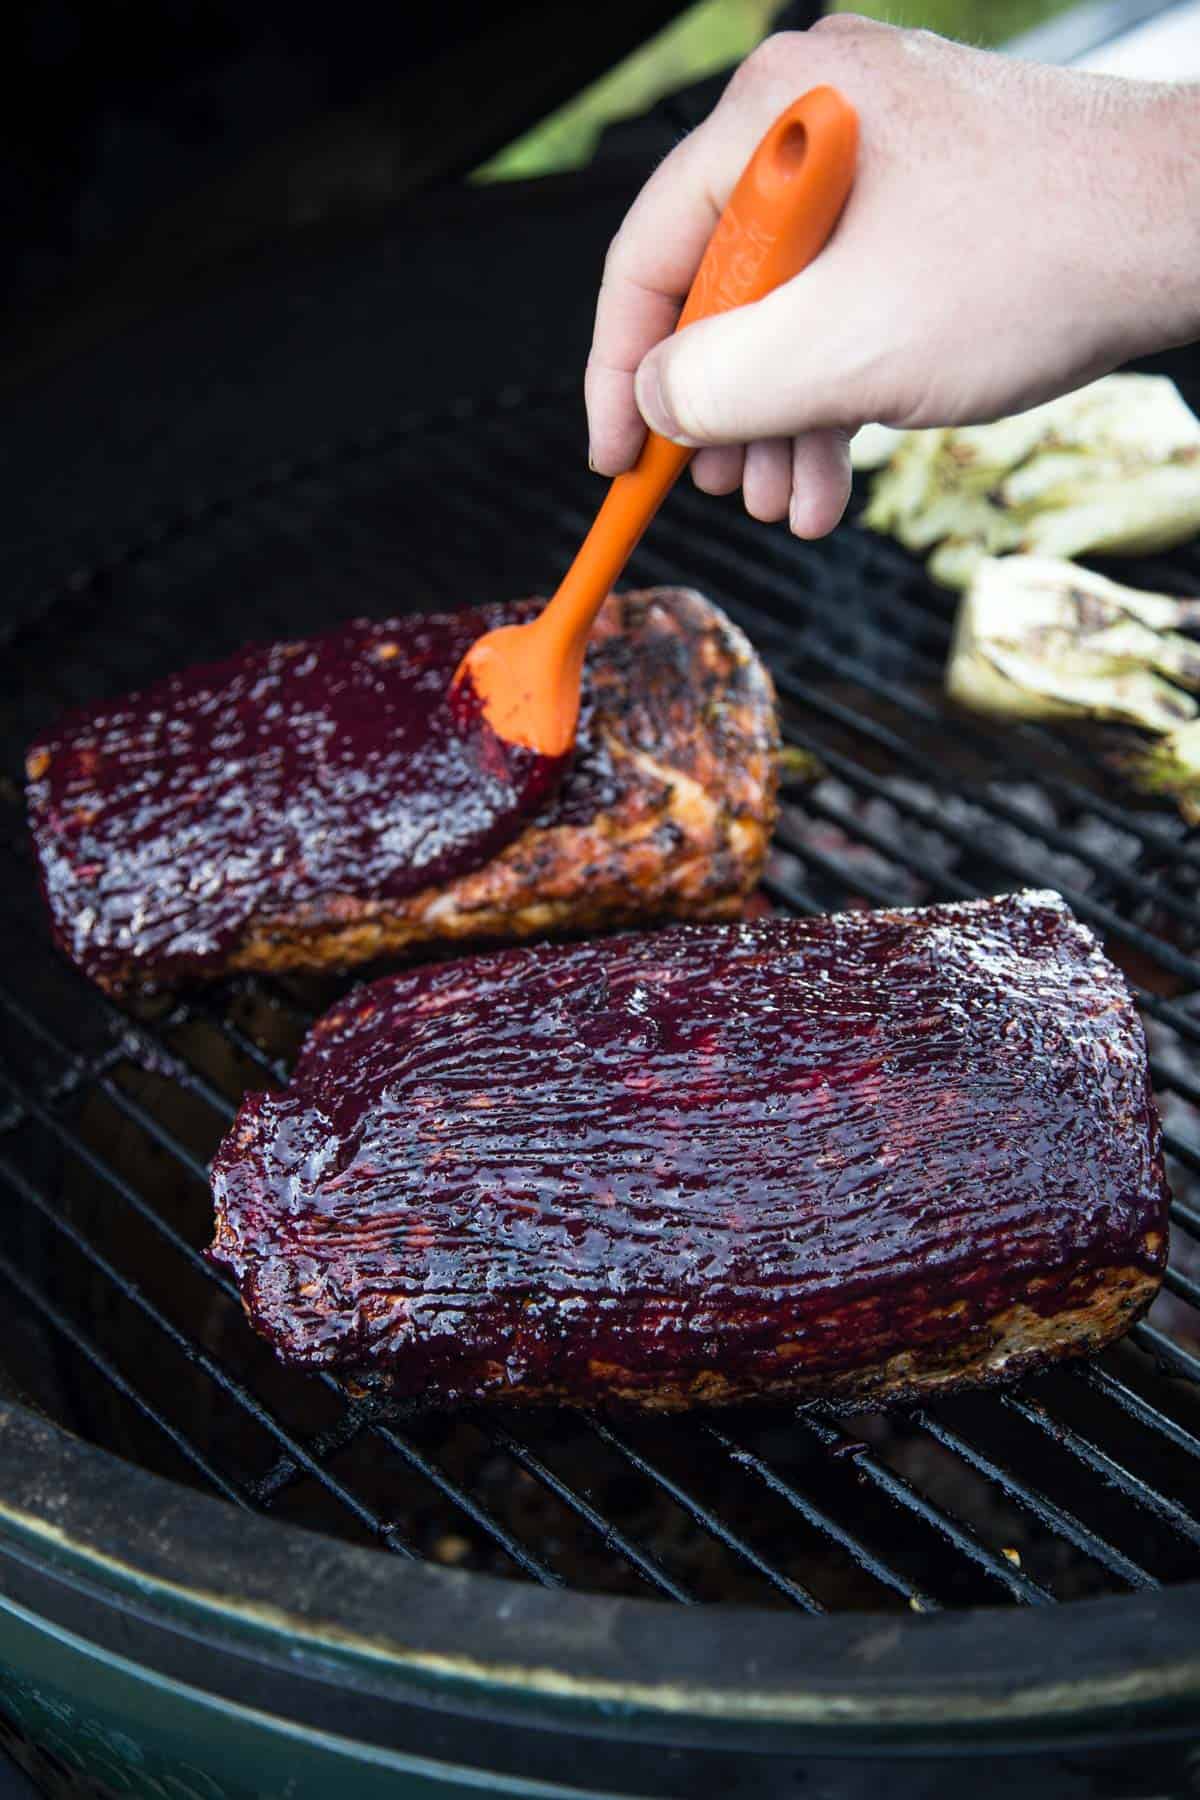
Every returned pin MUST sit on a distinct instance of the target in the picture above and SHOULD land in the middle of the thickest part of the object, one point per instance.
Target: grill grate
(1084, 1481)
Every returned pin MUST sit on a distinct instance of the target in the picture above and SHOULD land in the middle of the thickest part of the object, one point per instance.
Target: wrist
(1157, 237)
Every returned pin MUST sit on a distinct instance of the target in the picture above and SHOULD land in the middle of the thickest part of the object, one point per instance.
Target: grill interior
(1080, 1482)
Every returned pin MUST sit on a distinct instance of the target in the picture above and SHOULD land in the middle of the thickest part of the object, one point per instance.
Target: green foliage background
(711, 36)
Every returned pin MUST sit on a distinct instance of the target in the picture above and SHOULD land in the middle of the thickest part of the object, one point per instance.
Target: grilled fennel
(1113, 468)
(1041, 638)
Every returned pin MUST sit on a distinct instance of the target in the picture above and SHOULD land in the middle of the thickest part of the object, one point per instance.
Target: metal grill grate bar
(1183, 1151)
(942, 879)
(479, 1515)
(708, 1520)
(272, 1066)
(1169, 1355)
(824, 1522)
(1186, 1217)
(1112, 1388)
(1166, 1076)
(92, 1354)
(284, 1472)
(613, 1537)
(786, 893)
(913, 861)
(1021, 1586)
(1035, 1413)
(1184, 1286)
(859, 885)
(1045, 1511)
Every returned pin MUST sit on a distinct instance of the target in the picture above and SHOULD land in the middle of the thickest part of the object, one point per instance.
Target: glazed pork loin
(253, 814)
(870, 1156)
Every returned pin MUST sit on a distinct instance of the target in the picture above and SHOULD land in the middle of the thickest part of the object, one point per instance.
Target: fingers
(652, 262)
(819, 482)
(616, 429)
(719, 470)
(806, 482)
(647, 274)
(767, 480)
(629, 320)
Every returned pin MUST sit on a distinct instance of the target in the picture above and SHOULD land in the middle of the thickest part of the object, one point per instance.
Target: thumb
(773, 369)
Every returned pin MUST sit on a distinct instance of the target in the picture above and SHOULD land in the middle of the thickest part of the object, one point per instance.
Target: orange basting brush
(525, 678)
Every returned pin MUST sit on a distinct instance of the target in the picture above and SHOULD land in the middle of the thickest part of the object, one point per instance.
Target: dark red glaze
(240, 790)
(738, 1153)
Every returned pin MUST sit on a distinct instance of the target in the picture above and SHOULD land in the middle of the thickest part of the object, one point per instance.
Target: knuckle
(792, 60)
(842, 35)
(774, 59)
(917, 46)
(839, 24)
(851, 27)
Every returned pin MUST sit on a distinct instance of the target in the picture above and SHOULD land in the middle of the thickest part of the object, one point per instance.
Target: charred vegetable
(1038, 638)
(1113, 468)
(1169, 765)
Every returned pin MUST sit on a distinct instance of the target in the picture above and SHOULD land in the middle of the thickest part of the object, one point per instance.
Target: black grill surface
(1081, 1482)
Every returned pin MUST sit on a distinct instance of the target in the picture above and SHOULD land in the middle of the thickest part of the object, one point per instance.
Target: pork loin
(235, 817)
(870, 1156)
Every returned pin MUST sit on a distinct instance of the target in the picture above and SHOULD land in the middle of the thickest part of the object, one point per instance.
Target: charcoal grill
(217, 1578)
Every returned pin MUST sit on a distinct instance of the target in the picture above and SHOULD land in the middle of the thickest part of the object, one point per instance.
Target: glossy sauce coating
(240, 790)
(701, 1162)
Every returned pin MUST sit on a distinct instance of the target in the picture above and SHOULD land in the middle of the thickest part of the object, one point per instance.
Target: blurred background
(717, 33)
(145, 136)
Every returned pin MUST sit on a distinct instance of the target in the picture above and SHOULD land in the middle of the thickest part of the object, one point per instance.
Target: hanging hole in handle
(792, 148)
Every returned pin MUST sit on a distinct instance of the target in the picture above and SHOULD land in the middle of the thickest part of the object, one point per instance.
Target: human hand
(1014, 231)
